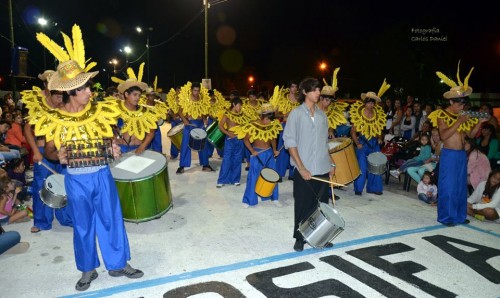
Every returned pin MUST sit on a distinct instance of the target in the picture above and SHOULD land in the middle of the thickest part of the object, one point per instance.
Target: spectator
(9, 204)
(425, 154)
(6, 154)
(487, 108)
(397, 116)
(408, 124)
(427, 189)
(488, 143)
(430, 165)
(419, 116)
(10, 242)
(485, 200)
(478, 166)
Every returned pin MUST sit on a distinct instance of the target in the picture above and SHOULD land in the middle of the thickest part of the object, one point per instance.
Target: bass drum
(144, 195)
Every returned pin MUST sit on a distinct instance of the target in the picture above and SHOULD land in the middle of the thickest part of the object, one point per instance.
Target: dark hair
(3, 121)
(291, 82)
(431, 177)
(251, 92)
(54, 92)
(234, 92)
(195, 85)
(132, 89)
(491, 128)
(111, 90)
(15, 163)
(72, 92)
(236, 101)
(4, 182)
(491, 189)
(307, 85)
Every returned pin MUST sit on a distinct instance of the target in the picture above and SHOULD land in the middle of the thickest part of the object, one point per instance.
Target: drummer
(230, 170)
(218, 105)
(136, 130)
(260, 139)
(43, 215)
(175, 119)
(306, 138)
(250, 108)
(153, 100)
(368, 120)
(193, 110)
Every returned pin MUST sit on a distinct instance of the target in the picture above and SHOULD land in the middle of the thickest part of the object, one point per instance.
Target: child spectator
(425, 154)
(427, 190)
(10, 210)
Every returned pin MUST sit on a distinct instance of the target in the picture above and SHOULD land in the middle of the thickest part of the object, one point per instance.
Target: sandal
(35, 229)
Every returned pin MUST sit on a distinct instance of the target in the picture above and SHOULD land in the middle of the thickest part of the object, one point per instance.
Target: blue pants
(8, 240)
(267, 159)
(174, 151)
(127, 148)
(452, 185)
(156, 142)
(374, 181)
(283, 159)
(410, 163)
(185, 160)
(230, 170)
(95, 203)
(43, 215)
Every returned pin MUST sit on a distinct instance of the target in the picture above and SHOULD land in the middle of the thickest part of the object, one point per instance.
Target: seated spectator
(408, 124)
(14, 138)
(427, 189)
(485, 200)
(431, 164)
(426, 128)
(488, 144)
(9, 241)
(11, 209)
(425, 154)
(6, 154)
(478, 165)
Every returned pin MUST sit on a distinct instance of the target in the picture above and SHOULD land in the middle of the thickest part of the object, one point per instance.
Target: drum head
(270, 175)
(198, 134)
(332, 215)
(121, 174)
(55, 184)
(338, 144)
(377, 158)
(175, 129)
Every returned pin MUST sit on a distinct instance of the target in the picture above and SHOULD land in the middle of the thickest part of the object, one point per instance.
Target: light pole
(139, 30)
(114, 62)
(127, 51)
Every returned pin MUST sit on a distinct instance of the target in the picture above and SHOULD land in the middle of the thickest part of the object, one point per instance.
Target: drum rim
(181, 125)
(337, 149)
(267, 168)
(145, 177)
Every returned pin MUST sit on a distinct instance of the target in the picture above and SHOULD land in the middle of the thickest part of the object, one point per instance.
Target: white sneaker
(219, 185)
(394, 173)
(237, 184)
(245, 205)
(277, 203)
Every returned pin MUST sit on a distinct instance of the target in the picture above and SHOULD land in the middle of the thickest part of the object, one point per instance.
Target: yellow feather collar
(449, 119)
(258, 131)
(137, 123)
(335, 114)
(367, 127)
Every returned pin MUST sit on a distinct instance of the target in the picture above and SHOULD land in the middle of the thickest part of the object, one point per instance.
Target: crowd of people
(290, 131)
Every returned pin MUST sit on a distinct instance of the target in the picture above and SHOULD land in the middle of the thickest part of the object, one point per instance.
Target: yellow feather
(155, 83)
(466, 80)
(140, 73)
(117, 80)
(78, 46)
(334, 79)
(324, 81)
(131, 74)
(383, 89)
(68, 44)
(52, 47)
(458, 75)
(90, 66)
(445, 79)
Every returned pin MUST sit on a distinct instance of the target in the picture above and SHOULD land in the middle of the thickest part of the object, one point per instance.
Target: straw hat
(69, 76)
(457, 91)
(370, 96)
(130, 83)
(266, 108)
(133, 80)
(45, 75)
(330, 90)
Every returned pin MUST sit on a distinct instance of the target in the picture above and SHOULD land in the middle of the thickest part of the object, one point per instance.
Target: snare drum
(53, 193)
(343, 155)
(144, 195)
(377, 163)
(322, 226)
(197, 139)
(175, 135)
(215, 136)
(266, 182)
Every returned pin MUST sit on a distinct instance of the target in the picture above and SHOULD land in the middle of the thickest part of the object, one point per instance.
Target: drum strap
(321, 190)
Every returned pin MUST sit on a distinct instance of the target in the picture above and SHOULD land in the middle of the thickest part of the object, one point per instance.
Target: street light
(139, 30)
(43, 22)
(114, 62)
(322, 67)
(127, 51)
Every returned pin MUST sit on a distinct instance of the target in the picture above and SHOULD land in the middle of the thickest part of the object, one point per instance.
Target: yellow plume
(68, 44)
(155, 83)
(383, 89)
(466, 80)
(78, 46)
(445, 79)
(324, 81)
(140, 73)
(90, 66)
(334, 79)
(117, 80)
(52, 47)
(131, 74)
(458, 75)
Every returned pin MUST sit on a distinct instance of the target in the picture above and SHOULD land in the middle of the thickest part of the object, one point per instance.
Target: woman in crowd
(485, 201)
(488, 144)
(478, 165)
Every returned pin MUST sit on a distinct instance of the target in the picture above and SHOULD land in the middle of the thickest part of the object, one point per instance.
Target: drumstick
(327, 181)
(333, 195)
(47, 167)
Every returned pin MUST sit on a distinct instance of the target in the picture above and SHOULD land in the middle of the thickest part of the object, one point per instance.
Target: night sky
(274, 41)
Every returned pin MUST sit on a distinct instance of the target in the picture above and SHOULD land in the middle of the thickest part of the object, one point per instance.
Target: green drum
(143, 185)
(215, 135)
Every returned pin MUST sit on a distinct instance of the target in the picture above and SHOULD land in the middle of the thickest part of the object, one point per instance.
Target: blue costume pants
(185, 160)
(156, 142)
(452, 185)
(43, 215)
(127, 148)
(174, 151)
(230, 170)
(283, 159)
(256, 166)
(95, 203)
(374, 183)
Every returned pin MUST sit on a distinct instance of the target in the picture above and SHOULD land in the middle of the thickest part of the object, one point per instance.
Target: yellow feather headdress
(381, 92)
(133, 79)
(330, 90)
(457, 90)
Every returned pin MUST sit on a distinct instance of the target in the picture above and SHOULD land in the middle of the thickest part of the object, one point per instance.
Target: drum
(343, 155)
(377, 163)
(53, 193)
(322, 226)
(197, 139)
(266, 182)
(215, 136)
(175, 135)
(143, 185)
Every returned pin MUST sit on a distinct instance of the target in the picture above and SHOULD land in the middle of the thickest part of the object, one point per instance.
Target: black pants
(305, 194)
